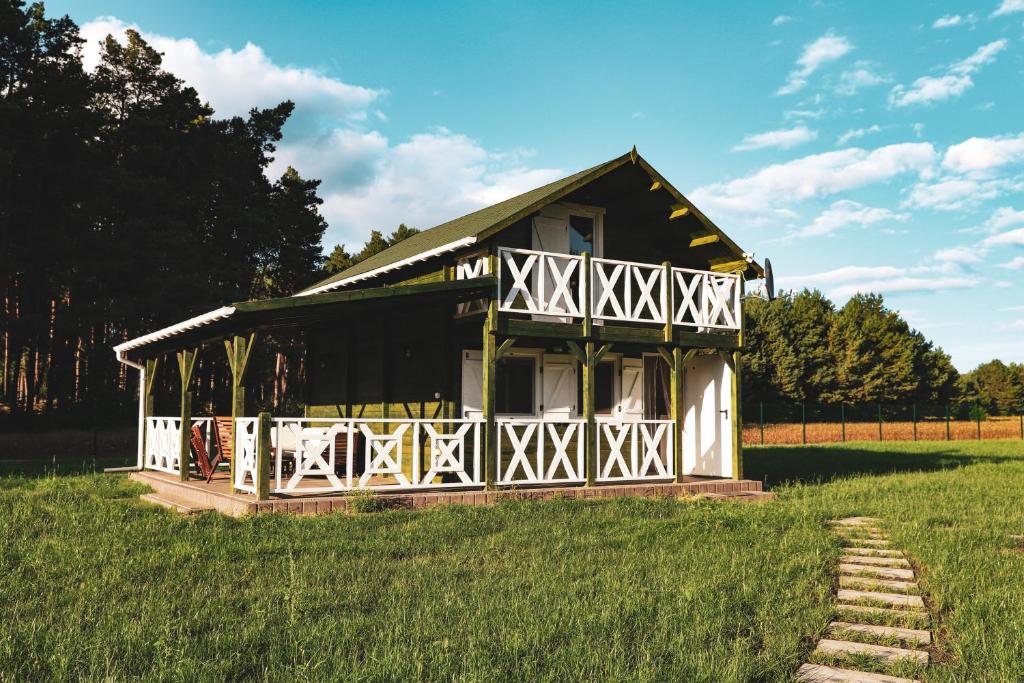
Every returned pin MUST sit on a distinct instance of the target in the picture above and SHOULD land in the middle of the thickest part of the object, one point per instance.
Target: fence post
(879, 420)
(803, 420)
(842, 418)
(947, 422)
(914, 418)
(977, 418)
(761, 406)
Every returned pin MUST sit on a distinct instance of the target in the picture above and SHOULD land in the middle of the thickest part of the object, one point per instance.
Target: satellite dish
(769, 280)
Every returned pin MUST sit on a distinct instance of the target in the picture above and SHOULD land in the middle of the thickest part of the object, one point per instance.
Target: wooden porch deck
(198, 495)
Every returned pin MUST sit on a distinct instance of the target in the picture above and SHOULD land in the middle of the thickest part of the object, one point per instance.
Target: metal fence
(776, 422)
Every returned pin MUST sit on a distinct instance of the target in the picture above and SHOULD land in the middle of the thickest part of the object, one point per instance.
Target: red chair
(202, 457)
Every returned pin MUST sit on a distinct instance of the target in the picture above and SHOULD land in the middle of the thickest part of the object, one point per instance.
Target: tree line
(801, 348)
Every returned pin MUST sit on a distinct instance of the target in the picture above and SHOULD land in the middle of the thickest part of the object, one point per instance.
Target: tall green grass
(97, 585)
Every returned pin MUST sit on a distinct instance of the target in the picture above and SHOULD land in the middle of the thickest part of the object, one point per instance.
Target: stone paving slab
(869, 609)
(894, 599)
(827, 646)
(908, 634)
(877, 572)
(853, 581)
(882, 552)
(876, 561)
(855, 521)
(819, 673)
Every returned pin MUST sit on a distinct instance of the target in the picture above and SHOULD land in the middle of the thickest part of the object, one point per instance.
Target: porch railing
(638, 450)
(546, 283)
(163, 442)
(325, 455)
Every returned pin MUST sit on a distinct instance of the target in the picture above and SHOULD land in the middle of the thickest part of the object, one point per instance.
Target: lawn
(98, 585)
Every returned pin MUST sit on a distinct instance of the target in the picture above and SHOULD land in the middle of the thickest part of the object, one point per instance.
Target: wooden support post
(666, 301)
(737, 417)
(489, 358)
(238, 350)
(588, 314)
(152, 365)
(590, 446)
(186, 364)
(263, 447)
(676, 408)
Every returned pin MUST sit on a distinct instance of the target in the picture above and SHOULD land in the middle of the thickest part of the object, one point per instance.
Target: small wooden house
(583, 334)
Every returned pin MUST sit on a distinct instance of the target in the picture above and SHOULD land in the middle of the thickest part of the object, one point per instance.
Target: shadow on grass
(815, 464)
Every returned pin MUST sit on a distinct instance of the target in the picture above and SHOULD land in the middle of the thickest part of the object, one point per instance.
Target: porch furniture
(200, 453)
(223, 432)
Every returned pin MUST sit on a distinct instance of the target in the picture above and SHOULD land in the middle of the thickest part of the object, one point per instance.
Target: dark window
(514, 385)
(581, 235)
(604, 388)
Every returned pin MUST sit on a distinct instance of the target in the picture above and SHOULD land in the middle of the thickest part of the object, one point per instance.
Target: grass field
(99, 586)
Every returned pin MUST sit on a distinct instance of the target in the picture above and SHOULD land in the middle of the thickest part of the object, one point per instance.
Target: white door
(558, 399)
(472, 384)
(551, 235)
(631, 403)
(708, 421)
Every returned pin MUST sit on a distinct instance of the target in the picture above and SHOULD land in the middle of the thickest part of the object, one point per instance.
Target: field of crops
(778, 433)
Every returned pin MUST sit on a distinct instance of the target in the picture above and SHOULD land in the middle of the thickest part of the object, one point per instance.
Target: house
(587, 333)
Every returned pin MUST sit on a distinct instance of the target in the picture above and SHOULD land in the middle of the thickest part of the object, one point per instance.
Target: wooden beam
(263, 448)
(703, 240)
(580, 354)
(590, 444)
(689, 354)
(676, 407)
(489, 368)
(678, 211)
(239, 350)
(504, 347)
(739, 265)
(600, 353)
(727, 358)
(666, 355)
(737, 416)
(186, 364)
(588, 315)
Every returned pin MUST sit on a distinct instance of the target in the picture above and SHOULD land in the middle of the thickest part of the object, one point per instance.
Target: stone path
(881, 621)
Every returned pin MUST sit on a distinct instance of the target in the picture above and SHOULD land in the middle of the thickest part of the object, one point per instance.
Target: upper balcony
(568, 288)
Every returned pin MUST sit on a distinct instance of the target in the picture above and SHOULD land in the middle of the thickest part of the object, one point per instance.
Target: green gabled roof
(475, 224)
(486, 221)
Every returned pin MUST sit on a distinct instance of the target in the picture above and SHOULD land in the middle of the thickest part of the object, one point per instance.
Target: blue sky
(862, 146)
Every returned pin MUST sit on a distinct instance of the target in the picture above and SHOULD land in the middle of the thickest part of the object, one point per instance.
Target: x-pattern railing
(537, 451)
(635, 450)
(545, 283)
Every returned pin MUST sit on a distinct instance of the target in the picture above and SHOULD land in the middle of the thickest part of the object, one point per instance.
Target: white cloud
(234, 81)
(1016, 263)
(955, 194)
(1006, 284)
(844, 282)
(953, 83)
(430, 178)
(844, 213)
(1009, 7)
(817, 175)
(828, 48)
(1002, 218)
(857, 133)
(862, 75)
(958, 254)
(784, 138)
(803, 114)
(950, 20)
(983, 154)
(781, 19)
(1009, 238)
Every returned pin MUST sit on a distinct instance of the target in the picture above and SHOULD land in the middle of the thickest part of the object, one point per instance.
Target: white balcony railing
(163, 442)
(550, 284)
(634, 450)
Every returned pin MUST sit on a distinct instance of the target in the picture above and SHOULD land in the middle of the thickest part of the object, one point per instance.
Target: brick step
(173, 504)
(819, 673)
(877, 572)
(876, 561)
(853, 581)
(894, 599)
(911, 635)
(827, 646)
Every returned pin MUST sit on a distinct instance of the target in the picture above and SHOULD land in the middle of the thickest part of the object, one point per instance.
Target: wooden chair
(341, 451)
(224, 432)
(200, 453)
